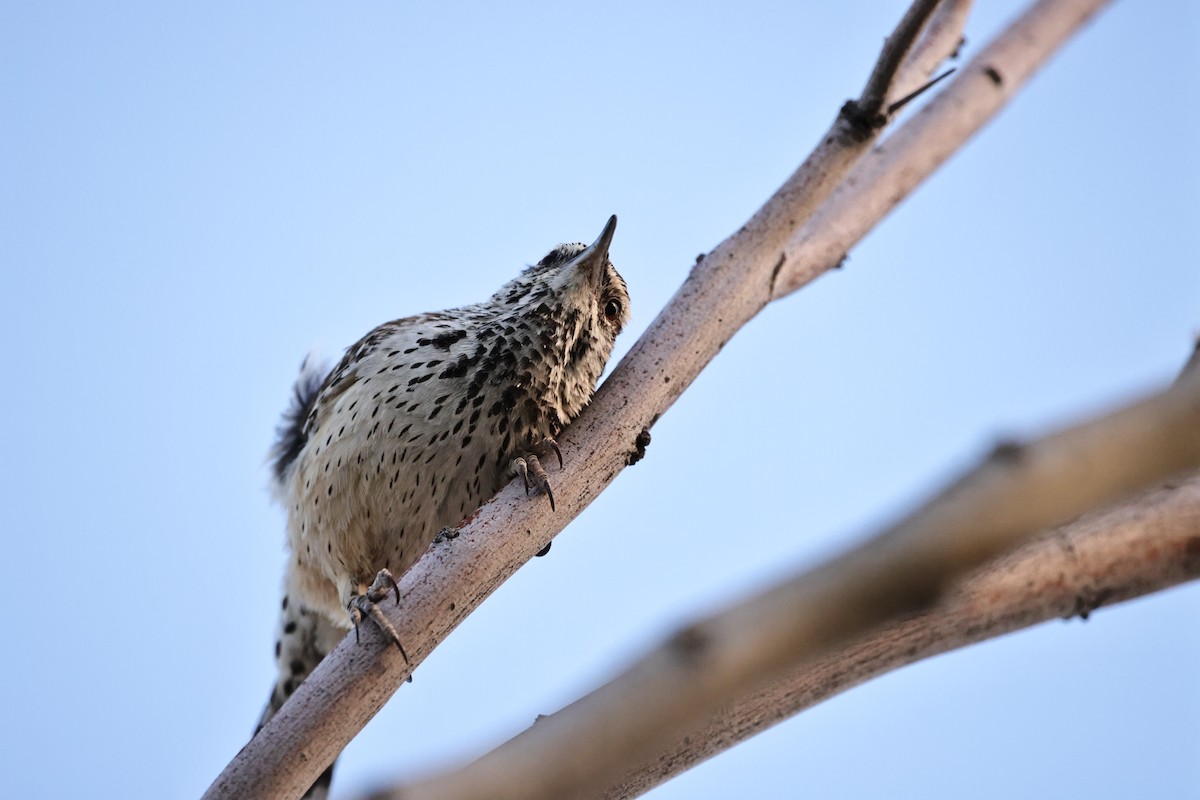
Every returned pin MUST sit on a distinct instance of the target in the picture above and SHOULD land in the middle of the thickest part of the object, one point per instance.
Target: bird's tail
(303, 639)
(292, 432)
(304, 636)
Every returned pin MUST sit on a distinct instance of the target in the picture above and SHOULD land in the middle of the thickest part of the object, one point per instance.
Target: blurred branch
(941, 41)
(1018, 491)
(896, 48)
(1191, 369)
(1141, 546)
(724, 290)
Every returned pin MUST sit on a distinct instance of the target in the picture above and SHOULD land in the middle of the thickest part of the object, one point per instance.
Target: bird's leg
(530, 465)
(367, 604)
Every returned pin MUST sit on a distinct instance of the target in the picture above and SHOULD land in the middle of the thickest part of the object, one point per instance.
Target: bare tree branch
(1018, 491)
(1141, 546)
(909, 155)
(724, 291)
(941, 40)
(869, 107)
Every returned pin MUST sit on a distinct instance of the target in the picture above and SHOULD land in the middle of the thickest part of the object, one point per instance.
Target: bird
(421, 421)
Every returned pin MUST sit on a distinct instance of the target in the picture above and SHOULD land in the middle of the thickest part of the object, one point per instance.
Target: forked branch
(722, 293)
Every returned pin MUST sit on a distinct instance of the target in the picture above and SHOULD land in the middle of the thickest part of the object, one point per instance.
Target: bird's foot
(367, 605)
(529, 467)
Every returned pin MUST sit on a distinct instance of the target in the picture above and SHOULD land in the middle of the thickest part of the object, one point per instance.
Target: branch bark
(1017, 492)
(888, 174)
(1141, 546)
(942, 39)
(724, 291)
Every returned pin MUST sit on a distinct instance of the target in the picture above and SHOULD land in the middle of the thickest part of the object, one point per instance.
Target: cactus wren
(423, 420)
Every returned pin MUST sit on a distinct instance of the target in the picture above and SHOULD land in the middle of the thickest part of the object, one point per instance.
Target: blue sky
(196, 195)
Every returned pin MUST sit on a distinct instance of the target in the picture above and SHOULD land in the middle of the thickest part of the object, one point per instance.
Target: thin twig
(915, 93)
(942, 39)
(867, 111)
(888, 174)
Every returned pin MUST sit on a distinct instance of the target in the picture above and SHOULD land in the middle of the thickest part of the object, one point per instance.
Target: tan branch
(896, 49)
(916, 149)
(722, 293)
(1018, 491)
(1141, 546)
(941, 40)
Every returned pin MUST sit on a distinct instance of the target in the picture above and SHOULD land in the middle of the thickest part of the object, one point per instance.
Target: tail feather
(292, 432)
(303, 640)
(304, 637)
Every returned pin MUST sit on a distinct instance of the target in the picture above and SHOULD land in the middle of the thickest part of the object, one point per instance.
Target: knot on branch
(640, 443)
(1087, 601)
(689, 645)
(861, 122)
(446, 534)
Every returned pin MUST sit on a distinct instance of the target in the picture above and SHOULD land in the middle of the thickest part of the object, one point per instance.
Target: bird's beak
(593, 259)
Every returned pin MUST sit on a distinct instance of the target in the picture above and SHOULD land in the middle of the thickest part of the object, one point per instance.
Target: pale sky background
(193, 195)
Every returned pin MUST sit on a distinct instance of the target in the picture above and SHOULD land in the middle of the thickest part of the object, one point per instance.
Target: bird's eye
(612, 311)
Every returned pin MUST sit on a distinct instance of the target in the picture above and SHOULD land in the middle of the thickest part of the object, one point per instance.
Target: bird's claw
(384, 585)
(549, 445)
(521, 467)
(367, 604)
(531, 465)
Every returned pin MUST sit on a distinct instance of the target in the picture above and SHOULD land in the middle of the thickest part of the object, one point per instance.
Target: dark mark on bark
(689, 644)
(775, 273)
(445, 535)
(1007, 450)
(639, 448)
